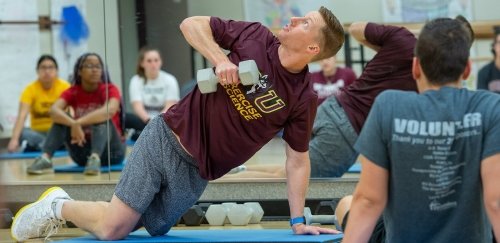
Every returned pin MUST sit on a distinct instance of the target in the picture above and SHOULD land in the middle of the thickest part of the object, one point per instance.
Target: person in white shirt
(152, 91)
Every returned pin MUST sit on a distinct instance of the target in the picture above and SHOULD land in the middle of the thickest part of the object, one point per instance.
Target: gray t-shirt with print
(432, 144)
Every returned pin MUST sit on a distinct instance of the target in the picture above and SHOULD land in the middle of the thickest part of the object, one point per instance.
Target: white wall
(103, 41)
(95, 14)
(102, 17)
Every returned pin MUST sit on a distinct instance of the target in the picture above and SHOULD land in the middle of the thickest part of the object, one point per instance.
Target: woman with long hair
(152, 90)
(94, 101)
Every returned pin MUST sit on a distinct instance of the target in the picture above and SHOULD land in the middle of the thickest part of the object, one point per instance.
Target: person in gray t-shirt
(431, 161)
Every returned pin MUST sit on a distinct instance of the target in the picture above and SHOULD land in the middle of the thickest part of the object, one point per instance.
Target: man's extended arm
(357, 30)
(298, 169)
(369, 200)
(490, 169)
(198, 34)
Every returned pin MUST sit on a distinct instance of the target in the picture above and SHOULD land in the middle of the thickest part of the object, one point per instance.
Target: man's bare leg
(106, 220)
(342, 208)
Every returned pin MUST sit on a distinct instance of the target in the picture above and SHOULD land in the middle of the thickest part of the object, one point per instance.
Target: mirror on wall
(116, 31)
(41, 42)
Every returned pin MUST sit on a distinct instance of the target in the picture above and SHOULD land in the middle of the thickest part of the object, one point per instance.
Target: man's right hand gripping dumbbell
(247, 71)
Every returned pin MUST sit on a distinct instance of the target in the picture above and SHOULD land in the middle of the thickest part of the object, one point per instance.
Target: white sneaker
(38, 219)
(237, 169)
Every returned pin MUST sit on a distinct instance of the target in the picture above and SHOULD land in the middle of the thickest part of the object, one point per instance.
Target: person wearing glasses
(488, 77)
(85, 133)
(36, 100)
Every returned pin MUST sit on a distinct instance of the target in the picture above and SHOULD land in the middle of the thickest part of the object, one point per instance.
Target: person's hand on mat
(77, 135)
(13, 145)
(302, 229)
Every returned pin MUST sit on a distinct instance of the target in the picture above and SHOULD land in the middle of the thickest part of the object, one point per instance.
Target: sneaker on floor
(237, 169)
(40, 166)
(38, 219)
(93, 166)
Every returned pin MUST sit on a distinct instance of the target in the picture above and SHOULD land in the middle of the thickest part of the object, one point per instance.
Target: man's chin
(280, 34)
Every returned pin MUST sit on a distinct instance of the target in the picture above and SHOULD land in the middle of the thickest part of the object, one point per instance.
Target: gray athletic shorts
(160, 180)
(331, 147)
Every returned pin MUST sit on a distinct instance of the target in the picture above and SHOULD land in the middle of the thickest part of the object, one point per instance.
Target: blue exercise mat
(31, 155)
(355, 168)
(205, 236)
(130, 142)
(74, 168)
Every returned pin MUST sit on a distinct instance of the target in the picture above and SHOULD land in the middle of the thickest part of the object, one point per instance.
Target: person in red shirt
(331, 78)
(204, 136)
(341, 117)
(85, 133)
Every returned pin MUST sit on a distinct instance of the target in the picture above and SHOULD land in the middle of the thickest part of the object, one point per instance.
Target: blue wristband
(298, 220)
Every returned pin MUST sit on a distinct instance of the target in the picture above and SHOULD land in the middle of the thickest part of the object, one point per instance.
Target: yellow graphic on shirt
(240, 102)
(270, 102)
(266, 101)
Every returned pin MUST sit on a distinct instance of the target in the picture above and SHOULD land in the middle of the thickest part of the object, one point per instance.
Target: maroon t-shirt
(328, 86)
(224, 129)
(390, 68)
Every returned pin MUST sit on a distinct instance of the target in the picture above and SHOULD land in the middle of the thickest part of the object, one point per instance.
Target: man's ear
(313, 49)
(416, 69)
(467, 70)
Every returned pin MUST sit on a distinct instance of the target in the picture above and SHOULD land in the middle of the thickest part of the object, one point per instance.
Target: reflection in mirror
(49, 37)
(153, 30)
(116, 31)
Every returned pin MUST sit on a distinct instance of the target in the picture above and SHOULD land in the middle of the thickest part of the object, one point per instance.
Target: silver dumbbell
(318, 219)
(207, 81)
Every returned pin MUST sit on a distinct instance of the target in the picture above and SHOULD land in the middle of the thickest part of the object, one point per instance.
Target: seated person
(431, 160)
(488, 77)
(152, 91)
(36, 100)
(342, 213)
(85, 134)
(341, 117)
(331, 78)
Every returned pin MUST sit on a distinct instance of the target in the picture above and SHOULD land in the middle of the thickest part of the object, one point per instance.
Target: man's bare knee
(118, 221)
(113, 232)
(343, 207)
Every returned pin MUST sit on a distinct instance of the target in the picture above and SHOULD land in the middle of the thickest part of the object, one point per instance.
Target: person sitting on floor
(96, 103)
(152, 91)
(36, 100)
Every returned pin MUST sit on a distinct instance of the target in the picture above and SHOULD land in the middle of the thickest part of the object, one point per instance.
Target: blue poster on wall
(75, 28)
(71, 38)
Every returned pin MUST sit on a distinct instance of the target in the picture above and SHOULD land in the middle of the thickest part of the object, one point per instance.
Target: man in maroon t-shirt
(341, 117)
(206, 135)
(331, 78)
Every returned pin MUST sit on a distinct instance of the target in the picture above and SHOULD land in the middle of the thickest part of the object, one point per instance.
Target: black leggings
(60, 134)
(134, 122)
